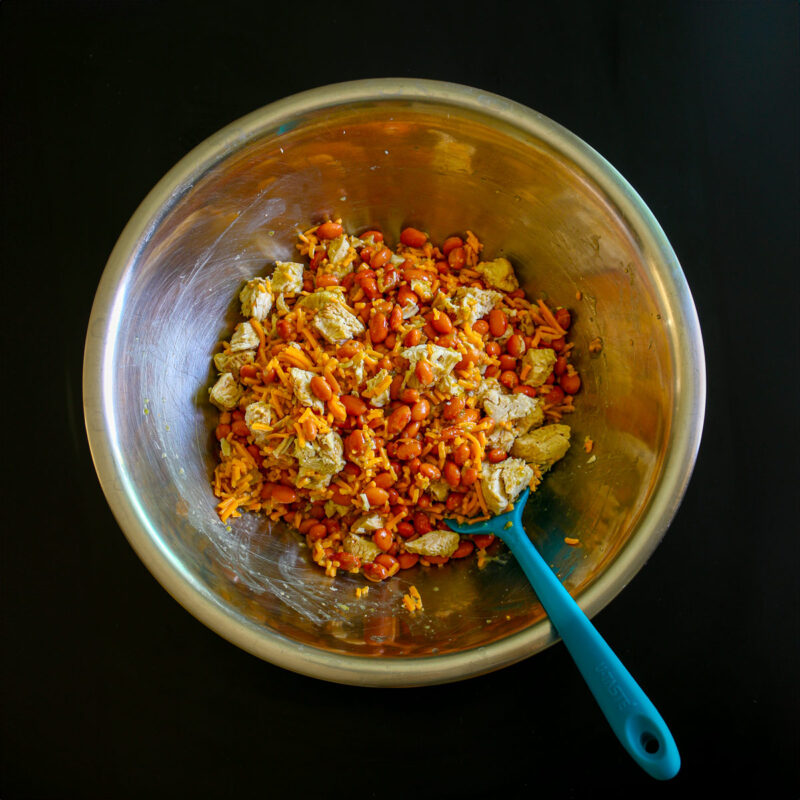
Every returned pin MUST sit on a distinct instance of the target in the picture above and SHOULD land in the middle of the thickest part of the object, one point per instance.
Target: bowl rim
(678, 464)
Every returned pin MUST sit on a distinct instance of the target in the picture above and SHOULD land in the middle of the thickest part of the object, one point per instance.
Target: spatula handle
(633, 718)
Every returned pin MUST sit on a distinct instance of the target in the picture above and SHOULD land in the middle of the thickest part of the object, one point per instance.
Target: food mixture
(371, 392)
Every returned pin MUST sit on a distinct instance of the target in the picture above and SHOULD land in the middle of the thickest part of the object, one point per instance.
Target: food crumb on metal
(412, 600)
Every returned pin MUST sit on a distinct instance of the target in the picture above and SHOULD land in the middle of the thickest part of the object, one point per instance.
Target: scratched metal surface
(529, 192)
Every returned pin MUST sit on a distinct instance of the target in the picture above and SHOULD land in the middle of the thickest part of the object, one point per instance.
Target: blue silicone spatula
(633, 718)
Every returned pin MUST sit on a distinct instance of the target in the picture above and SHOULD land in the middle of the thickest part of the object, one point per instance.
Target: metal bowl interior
(390, 153)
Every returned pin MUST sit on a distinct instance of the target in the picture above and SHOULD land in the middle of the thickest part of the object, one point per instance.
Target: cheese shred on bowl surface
(369, 392)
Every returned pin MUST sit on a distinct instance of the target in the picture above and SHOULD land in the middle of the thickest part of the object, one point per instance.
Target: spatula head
(502, 523)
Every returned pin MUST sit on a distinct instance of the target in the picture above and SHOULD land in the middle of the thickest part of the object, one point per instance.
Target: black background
(111, 689)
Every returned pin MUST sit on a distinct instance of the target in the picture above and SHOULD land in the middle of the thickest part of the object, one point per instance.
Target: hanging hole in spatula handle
(632, 716)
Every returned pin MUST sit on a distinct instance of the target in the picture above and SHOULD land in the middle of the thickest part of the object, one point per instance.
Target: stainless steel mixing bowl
(388, 153)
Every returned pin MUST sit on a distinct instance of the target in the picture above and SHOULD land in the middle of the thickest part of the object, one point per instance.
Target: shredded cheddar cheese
(363, 481)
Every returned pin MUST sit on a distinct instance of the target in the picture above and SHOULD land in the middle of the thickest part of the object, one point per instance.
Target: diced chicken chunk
(360, 546)
(526, 325)
(256, 299)
(439, 490)
(500, 439)
(487, 385)
(368, 241)
(411, 310)
(498, 273)
(435, 543)
(441, 359)
(320, 299)
(287, 277)
(473, 304)
(337, 249)
(355, 366)
(448, 385)
(543, 446)
(385, 279)
(422, 288)
(226, 392)
(283, 454)
(320, 460)
(308, 479)
(257, 416)
(521, 411)
(340, 259)
(244, 338)
(378, 388)
(335, 509)
(300, 380)
(233, 362)
(504, 337)
(541, 363)
(337, 324)
(367, 524)
(442, 302)
(503, 483)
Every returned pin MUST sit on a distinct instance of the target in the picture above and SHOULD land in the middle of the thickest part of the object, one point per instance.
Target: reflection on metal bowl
(390, 153)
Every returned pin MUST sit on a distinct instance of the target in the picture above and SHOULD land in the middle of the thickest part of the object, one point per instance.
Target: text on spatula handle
(613, 687)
